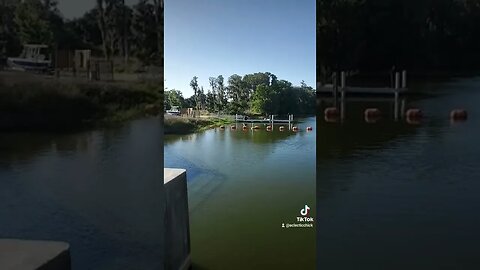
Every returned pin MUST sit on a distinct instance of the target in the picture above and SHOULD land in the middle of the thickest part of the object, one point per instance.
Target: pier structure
(339, 94)
(270, 120)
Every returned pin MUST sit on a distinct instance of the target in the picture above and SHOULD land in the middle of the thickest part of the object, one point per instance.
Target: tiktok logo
(305, 211)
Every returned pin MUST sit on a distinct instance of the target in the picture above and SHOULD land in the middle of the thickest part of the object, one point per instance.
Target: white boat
(33, 58)
(174, 111)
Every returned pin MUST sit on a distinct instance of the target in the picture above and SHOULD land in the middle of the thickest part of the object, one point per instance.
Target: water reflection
(400, 195)
(242, 184)
(101, 191)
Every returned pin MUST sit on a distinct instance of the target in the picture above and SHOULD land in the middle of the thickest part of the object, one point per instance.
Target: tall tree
(196, 91)
(145, 36)
(221, 93)
(102, 25)
(31, 18)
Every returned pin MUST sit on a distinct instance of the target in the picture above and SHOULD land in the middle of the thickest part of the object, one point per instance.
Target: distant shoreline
(178, 125)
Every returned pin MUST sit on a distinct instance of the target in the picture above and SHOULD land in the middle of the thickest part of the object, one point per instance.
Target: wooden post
(402, 109)
(397, 80)
(335, 89)
(236, 118)
(404, 79)
(89, 75)
(396, 105)
(342, 80)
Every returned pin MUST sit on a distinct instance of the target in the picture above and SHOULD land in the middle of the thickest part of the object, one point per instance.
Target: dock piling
(397, 80)
(402, 109)
(396, 105)
(404, 79)
(335, 87)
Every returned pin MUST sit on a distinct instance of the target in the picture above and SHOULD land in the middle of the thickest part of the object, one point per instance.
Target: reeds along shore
(185, 125)
(46, 104)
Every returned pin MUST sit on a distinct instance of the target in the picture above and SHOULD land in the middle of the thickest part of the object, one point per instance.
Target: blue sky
(207, 38)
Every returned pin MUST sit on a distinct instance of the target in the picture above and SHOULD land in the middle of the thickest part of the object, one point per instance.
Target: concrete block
(177, 227)
(34, 255)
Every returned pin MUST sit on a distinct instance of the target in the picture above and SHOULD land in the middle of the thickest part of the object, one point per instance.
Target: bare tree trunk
(125, 39)
(102, 26)
(159, 24)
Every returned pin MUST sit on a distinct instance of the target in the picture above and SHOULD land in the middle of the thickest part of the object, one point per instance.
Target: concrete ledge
(34, 255)
(177, 234)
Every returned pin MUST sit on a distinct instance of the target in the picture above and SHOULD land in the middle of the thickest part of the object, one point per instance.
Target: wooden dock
(399, 86)
(340, 94)
(362, 91)
(270, 120)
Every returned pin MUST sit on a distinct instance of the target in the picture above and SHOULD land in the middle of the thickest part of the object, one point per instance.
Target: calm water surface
(242, 186)
(393, 195)
(101, 191)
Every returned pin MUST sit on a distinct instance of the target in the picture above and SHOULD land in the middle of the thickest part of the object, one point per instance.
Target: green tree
(222, 100)
(31, 18)
(238, 94)
(173, 98)
(145, 36)
(196, 92)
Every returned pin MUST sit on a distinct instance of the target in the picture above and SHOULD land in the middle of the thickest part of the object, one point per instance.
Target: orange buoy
(458, 115)
(413, 121)
(309, 128)
(372, 112)
(331, 119)
(331, 111)
(269, 128)
(414, 114)
(372, 119)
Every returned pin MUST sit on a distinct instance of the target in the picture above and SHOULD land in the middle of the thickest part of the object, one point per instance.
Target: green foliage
(49, 104)
(145, 41)
(32, 20)
(373, 35)
(111, 27)
(257, 93)
(174, 98)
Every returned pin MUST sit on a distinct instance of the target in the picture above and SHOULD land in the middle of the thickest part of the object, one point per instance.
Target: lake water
(101, 191)
(394, 195)
(242, 186)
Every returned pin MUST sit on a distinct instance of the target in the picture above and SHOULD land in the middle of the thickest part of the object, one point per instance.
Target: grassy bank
(32, 103)
(186, 125)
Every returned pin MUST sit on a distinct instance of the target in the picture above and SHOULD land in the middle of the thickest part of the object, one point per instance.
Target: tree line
(111, 27)
(373, 35)
(257, 93)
